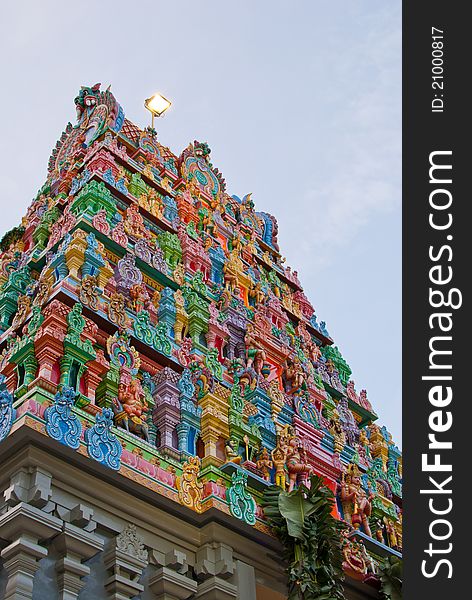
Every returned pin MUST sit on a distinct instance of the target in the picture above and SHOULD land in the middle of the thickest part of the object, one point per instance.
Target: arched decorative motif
(196, 168)
(62, 424)
(102, 444)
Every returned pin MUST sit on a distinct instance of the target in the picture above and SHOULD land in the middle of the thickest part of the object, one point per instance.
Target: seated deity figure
(231, 453)
(130, 408)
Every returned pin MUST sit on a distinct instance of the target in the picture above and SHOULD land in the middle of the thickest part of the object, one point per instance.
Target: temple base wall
(69, 528)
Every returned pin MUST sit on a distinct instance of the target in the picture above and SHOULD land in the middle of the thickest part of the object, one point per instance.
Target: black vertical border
(423, 133)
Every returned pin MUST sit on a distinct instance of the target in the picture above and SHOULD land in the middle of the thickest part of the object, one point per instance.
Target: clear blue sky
(300, 104)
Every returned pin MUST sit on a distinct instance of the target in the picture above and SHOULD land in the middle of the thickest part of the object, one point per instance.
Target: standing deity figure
(314, 352)
(391, 533)
(336, 430)
(278, 459)
(264, 464)
(255, 356)
(357, 505)
(294, 376)
(230, 271)
(295, 461)
(140, 297)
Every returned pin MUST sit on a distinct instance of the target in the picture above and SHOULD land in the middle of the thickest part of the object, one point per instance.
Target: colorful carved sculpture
(62, 424)
(130, 408)
(265, 464)
(7, 412)
(241, 503)
(295, 460)
(102, 444)
(189, 487)
(357, 505)
(231, 453)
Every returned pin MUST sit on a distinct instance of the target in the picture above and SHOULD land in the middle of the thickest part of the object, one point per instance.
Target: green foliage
(11, 237)
(310, 536)
(391, 576)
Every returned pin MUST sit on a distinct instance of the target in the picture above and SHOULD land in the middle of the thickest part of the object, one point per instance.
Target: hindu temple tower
(160, 366)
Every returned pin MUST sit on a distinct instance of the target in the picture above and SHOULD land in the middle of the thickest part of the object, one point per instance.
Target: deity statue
(257, 293)
(130, 408)
(314, 353)
(231, 268)
(391, 533)
(255, 356)
(336, 430)
(264, 464)
(206, 223)
(357, 505)
(293, 376)
(278, 459)
(379, 534)
(231, 453)
(24, 307)
(140, 297)
(354, 556)
(296, 462)
(133, 222)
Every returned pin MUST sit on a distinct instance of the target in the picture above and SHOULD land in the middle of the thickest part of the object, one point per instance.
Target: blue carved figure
(7, 412)
(62, 424)
(102, 444)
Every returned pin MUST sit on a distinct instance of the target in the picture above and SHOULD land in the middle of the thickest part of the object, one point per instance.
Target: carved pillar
(172, 580)
(49, 342)
(75, 546)
(214, 565)
(166, 414)
(24, 526)
(182, 433)
(245, 580)
(125, 561)
(214, 424)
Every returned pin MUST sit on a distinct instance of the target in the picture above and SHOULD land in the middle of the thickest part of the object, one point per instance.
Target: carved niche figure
(264, 464)
(24, 306)
(231, 453)
(131, 407)
(133, 223)
(139, 296)
(116, 309)
(257, 293)
(278, 459)
(293, 376)
(336, 430)
(231, 268)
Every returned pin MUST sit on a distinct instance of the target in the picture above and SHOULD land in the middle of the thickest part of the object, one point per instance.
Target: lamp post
(157, 106)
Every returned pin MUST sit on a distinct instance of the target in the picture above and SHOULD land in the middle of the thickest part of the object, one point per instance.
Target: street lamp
(157, 106)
